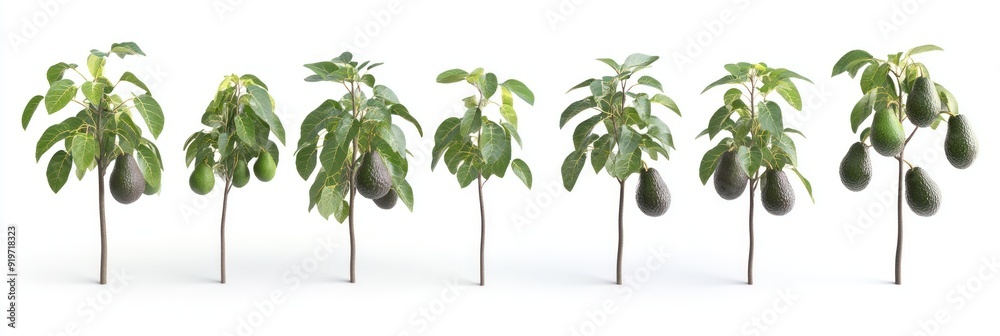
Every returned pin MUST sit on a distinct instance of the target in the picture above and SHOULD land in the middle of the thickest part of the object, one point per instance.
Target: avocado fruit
(922, 194)
(923, 104)
(652, 194)
(264, 167)
(776, 193)
(887, 133)
(730, 180)
(388, 201)
(960, 145)
(241, 175)
(202, 179)
(372, 179)
(856, 168)
(126, 182)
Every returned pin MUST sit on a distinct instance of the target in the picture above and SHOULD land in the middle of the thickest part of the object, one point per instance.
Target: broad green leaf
(460, 151)
(493, 141)
(55, 134)
(650, 82)
(862, 110)
(520, 90)
(745, 159)
(488, 85)
(844, 64)
(659, 130)
(574, 109)
(921, 49)
(386, 93)
(126, 48)
(329, 201)
(467, 172)
(611, 63)
(727, 79)
(261, 103)
(508, 113)
(248, 79)
(446, 132)
(400, 110)
(472, 121)
(95, 64)
(805, 183)
(58, 170)
(717, 121)
(326, 114)
(84, 149)
(29, 110)
(709, 160)
(782, 74)
(59, 95)
(245, 129)
(602, 150)
(452, 76)
(583, 84)
(149, 163)
(638, 60)
(322, 69)
(628, 139)
(150, 111)
(94, 92)
(795, 131)
(642, 107)
(787, 90)
(522, 171)
(404, 191)
(474, 76)
(369, 80)
(305, 160)
(770, 117)
(512, 130)
(131, 78)
(788, 147)
(947, 99)
(56, 71)
(584, 129)
(865, 133)
(571, 168)
(627, 163)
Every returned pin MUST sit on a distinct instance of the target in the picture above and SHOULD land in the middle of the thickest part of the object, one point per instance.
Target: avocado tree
(103, 130)
(240, 119)
(358, 147)
(759, 147)
(630, 131)
(476, 148)
(899, 88)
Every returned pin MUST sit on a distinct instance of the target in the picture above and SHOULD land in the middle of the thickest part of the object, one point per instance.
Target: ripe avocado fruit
(730, 180)
(241, 176)
(202, 179)
(922, 194)
(923, 104)
(652, 194)
(126, 182)
(776, 193)
(887, 133)
(388, 201)
(856, 168)
(373, 178)
(264, 167)
(960, 145)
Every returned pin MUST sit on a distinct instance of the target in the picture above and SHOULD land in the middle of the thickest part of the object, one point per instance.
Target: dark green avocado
(652, 194)
(922, 194)
(126, 182)
(923, 104)
(372, 180)
(960, 145)
(730, 180)
(388, 201)
(776, 193)
(856, 168)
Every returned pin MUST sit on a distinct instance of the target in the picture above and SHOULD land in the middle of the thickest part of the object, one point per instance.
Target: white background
(551, 254)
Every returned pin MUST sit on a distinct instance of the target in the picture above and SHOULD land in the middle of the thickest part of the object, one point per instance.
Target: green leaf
(446, 132)
(787, 90)
(459, 151)
(642, 107)
(746, 160)
(126, 48)
(29, 110)
(783, 74)
(56, 72)
(83, 149)
(131, 78)
(59, 95)
(305, 160)
(329, 201)
(862, 110)
(627, 163)
(404, 191)
(650, 82)
(583, 84)
(488, 85)
(149, 163)
(850, 57)
(522, 171)
(805, 183)
(770, 117)
(95, 64)
(709, 160)
(369, 80)
(512, 130)
(94, 92)
(322, 69)
(386, 93)
(947, 99)
(717, 121)
(611, 63)
(452, 76)
(584, 129)
(727, 79)
(788, 147)
(248, 79)
(245, 129)
(58, 170)
(493, 142)
(326, 114)
(795, 131)
(602, 150)
(472, 121)
(638, 60)
(260, 102)
(574, 109)
(921, 49)
(865, 133)
(467, 172)
(520, 90)
(508, 113)
(571, 168)
(55, 134)
(659, 130)
(400, 110)
(150, 111)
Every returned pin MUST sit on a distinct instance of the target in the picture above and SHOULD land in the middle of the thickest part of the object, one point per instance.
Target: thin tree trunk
(350, 206)
(104, 223)
(621, 228)
(222, 233)
(482, 235)
(899, 227)
(750, 254)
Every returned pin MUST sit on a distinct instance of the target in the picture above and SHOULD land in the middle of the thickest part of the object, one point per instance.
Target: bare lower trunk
(899, 228)
(482, 235)
(750, 254)
(621, 228)
(222, 233)
(104, 225)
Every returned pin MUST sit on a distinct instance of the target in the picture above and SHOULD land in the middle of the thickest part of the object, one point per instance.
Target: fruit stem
(621, 228)
(101, 170)
(753, 187)
(482, 235)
